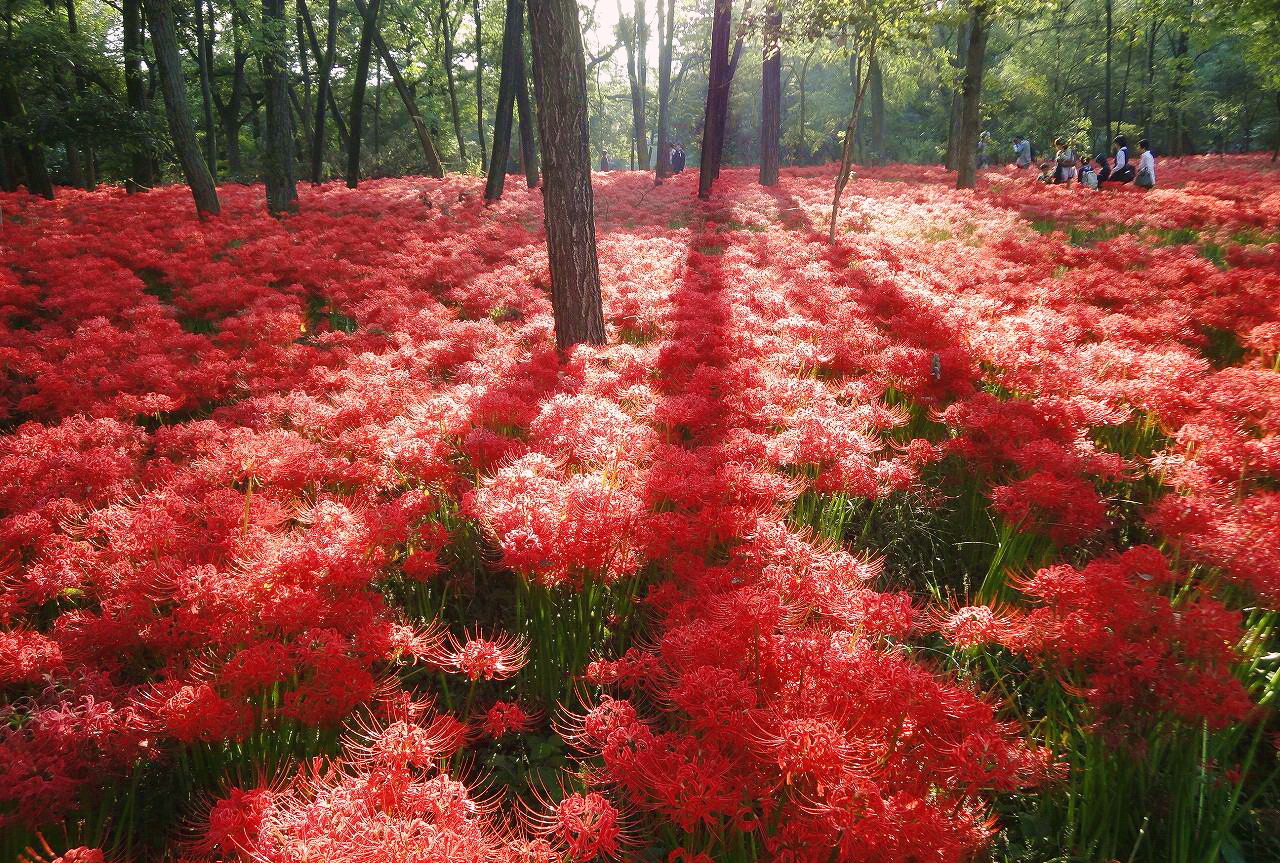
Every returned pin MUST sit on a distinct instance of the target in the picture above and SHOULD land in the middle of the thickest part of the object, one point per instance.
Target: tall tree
(877, 108)
(512, 58)
(204, 61)
(182, 130)
(528, 150)
(634, 34)
(368, 29)
(429, 153)
(446, 29)
(723, 65)
(771, 97)
(971, 116)
(560, 78)
(277, 150)
(324, 71)
(475, 14)
(666, 35)
(1108, 13)
(140, 178)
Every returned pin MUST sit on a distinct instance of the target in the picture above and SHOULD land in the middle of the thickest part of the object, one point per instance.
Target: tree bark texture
(771, 99)
(140, 177)
(277, 155)
(717, 98)
(971, 115)
(484, 158)
(512, 39)
(204, 51)
(182, 130)
(666, 33)
(367, 30)
(568, 207)
(528, 149)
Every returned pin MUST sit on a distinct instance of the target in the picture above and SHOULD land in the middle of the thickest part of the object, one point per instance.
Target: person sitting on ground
(1123, 171)
(1046, 172)
(1087, 177)
(1104, 169)
(1146, 175)
(1065, 162)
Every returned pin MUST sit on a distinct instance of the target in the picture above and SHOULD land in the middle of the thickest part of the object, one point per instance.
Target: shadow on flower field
(956, 538)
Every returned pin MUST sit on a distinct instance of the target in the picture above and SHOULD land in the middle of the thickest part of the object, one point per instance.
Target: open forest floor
(956, 540)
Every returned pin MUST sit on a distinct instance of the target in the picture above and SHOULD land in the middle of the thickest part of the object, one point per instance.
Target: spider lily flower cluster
(308, 517)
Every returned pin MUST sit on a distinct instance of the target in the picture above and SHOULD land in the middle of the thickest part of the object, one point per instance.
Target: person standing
(604, 160)
(1146, 175)
(1021, 151)
(1122, 171)
(677, 164)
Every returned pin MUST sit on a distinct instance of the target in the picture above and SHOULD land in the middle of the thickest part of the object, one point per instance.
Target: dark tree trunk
(717, 98)
(512, 39)
(173, 87)
(367, 31)
(528, 150)
(140, 176)
(876, 83)
(32, 157)
(568, 210)
(971, 116)
(204, 59)
(771, 99)
(666, 32)
(447, 31)
(324, 69)
(429, 152)
(232, 112)
(277, 151)
(484, 158)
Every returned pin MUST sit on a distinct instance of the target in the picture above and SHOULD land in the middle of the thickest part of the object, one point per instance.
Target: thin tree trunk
(277, 155)
(957, 97)
(1124, 84)
(846, 152)
(971, 117)
(568, 209)
(666, 33)
(1107, 76)
(484, 158)
(140, 177)
(447, 32)
(803, 142)
(528, 149)
(367, 31)
(164, 40)
(429, 152)
(771, 98)
(512, 36)
(635, 40)
(204, 50)
(324, 70)
(876, 82)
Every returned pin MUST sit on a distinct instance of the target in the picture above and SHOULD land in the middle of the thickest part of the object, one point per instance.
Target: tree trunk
(324, 87)
(876, 82)
(32, 157)
(173, 87)
(367, 31)
(512, 39)
(568, 211)
(635, 40)
(1124, 82)
(846, 152)
(717, 98)
(771, 98)
(803, 141)
(447, 32)
(140, 176)
(277, 151)
(306, 107)
(528, 150)
(666, 33)
(971, 116)
(204, 61)
(484, 158)
(429, 152)
(79, 173)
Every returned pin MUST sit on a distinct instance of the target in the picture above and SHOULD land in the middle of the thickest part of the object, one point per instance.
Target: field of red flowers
(957, 538)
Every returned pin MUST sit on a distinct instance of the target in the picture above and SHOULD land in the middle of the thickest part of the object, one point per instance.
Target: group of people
(1068, 166)
(675, 154)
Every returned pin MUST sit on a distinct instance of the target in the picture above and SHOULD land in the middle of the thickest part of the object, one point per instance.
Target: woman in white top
(1146, 176)
(1121, 171)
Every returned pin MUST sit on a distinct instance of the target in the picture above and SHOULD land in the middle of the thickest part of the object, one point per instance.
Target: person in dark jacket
(1122, 172)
